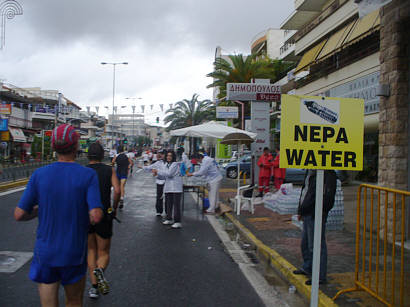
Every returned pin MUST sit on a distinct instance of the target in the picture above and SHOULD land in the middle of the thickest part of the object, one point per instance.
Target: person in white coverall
(209, 170)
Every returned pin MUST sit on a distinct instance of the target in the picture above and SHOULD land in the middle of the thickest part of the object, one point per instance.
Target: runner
(66, 197)
(160, 164)
(172, 189)
(145, 157)
(99, 235)
(123, 165)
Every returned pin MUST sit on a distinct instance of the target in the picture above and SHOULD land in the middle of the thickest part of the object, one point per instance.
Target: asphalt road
(151, 264)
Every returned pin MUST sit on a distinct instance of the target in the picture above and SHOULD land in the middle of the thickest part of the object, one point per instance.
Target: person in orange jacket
(265, 164)
(278, 173)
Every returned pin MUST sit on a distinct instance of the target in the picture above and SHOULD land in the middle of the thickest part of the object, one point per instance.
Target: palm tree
(244, 69)
(189, 112)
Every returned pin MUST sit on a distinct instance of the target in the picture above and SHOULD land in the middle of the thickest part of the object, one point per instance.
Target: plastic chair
(250, 200)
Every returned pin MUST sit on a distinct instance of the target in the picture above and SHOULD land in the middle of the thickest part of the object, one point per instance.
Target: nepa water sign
(321, 133)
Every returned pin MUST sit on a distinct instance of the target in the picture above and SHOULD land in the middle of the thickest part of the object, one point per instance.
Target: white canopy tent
(210, 129)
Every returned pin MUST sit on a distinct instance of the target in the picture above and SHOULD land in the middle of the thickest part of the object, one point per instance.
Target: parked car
(293, 175)
(231, 168)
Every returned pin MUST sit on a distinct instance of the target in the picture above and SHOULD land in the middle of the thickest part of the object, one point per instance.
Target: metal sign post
(317, 239)
(321, 133)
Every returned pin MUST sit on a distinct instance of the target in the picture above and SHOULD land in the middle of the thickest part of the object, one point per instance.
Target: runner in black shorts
(99, 235)
(123, 165)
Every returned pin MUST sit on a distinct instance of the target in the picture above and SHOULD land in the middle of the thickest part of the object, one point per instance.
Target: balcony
(309, 5)
(287, 52)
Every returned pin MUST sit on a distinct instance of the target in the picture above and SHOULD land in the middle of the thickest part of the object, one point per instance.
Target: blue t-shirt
(65, 192)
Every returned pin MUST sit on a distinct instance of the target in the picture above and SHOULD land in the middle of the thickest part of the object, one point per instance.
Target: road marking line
(268, 294)
(12, 191)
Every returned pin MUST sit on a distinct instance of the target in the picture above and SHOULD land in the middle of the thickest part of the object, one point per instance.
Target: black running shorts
(103, 228)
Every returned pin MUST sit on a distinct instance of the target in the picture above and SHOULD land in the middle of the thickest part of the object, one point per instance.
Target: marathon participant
(99, 235)
(172, 188)
(66, 197)
(123, 164)
(209, 170)
(160, 164)
(145, 157)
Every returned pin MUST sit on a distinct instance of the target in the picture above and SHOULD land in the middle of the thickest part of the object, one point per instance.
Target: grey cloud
(155, 23)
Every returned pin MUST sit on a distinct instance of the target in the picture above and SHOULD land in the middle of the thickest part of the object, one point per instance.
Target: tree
(189, 112)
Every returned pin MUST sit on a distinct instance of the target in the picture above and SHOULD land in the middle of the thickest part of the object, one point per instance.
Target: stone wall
(394, 110)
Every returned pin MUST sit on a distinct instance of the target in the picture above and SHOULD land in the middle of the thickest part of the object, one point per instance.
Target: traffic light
(157, 120)
(125, 141)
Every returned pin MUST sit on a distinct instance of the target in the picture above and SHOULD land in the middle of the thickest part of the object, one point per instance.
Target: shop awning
(310, 56)
(18, 135)
(335, 41)
(363, 27)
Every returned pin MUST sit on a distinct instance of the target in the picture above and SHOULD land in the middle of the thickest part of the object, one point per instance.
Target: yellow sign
(5, 136)
(321, 133)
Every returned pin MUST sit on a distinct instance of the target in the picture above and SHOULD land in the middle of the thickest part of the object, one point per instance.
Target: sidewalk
(276, 235)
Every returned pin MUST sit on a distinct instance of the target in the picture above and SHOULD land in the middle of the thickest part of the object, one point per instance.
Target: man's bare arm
(22, 215)
(117, 191)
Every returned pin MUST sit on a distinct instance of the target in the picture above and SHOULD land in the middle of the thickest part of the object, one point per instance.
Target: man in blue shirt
(66, 198)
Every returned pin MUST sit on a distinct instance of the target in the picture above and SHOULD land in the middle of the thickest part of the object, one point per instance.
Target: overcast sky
(169, 44)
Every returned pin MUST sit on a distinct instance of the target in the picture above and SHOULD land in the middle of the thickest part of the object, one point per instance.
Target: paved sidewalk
(276, 232)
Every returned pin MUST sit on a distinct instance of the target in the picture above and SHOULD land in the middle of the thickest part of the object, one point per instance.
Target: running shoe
(121, 203)
(93, 293)
(176, 225)
(102, 283)
(168, 222)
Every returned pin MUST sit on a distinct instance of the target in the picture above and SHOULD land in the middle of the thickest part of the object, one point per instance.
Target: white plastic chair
(249, 200)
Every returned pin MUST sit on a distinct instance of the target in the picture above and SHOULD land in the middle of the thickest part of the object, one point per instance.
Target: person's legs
(212, 197)
(103, 248)
(48, 294)
(217, 186)
(266, 184)
(307, 252)
(169, 204)
(261, 185)
(74, 293)
(92, 257)
(122, 186)
(278, 182)
(177, 207)
(159, 204)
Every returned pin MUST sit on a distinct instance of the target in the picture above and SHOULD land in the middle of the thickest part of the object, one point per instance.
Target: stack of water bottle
(335, 218)
(284, 201)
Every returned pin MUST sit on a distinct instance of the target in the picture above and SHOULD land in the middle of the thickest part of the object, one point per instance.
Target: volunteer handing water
(209, 170)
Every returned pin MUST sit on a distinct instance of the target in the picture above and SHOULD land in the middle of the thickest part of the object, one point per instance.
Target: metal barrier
(16, 172)
(384, 269)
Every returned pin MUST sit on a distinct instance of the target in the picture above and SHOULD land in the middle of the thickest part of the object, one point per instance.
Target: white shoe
(93, 293)
(168, 222)
(176, 225)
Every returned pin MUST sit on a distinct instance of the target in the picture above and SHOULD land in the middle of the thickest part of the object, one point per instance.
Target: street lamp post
(113, 95)
(133, 112)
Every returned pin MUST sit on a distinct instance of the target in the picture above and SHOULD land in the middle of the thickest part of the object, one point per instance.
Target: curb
(11, 185)
(281, 264)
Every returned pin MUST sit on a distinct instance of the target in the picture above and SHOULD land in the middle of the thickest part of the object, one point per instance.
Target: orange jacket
(278, 172)
(265, 164)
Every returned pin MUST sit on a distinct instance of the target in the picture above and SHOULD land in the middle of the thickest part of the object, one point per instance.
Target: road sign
(4, 124)
(5, 109)
(251, 91)
(321, 133)
(226, 112)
